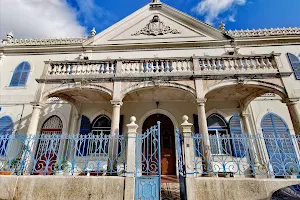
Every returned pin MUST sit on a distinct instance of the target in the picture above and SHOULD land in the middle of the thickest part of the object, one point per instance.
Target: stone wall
(61, 187)
(235, 188)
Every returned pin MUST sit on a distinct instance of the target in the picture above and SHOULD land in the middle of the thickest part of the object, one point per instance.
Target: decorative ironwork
(64, 154)
(156, 27)
(250, 161)
(148, 166)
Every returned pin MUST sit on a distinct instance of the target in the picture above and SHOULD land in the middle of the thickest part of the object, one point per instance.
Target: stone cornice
(264, 32)
(42, 42)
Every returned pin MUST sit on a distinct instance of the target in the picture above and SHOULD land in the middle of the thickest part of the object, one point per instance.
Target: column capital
(201, 101)
(116, 102)
(245, 115)
(290, 101)
(76, 116)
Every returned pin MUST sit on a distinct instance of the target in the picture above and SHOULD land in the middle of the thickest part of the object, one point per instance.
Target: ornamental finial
(222, 26)
(155, 1)
(10, 35)
(93, 32)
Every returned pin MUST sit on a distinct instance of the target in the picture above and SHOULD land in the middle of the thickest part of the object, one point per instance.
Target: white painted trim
(47, 116)
(102, 112)
(157, 111)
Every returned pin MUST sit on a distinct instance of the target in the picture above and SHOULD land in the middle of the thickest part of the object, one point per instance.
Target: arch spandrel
(132, 87)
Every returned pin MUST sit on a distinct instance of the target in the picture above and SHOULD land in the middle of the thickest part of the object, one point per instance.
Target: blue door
(148, 167)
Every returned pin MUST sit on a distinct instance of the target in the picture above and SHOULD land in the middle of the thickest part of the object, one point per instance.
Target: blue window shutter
(295, 63)
(85, 129)
(238, 141)
(279, 144)
(20, 75)
(6, 128)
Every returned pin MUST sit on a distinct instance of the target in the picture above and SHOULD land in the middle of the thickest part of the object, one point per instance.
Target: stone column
(113, 143)
(31, 139)
(253, 139)
(115, 121)
(189, 152)
(34, 121)
(69, 145)
(131, 159)
(294, 113)
(205, 143)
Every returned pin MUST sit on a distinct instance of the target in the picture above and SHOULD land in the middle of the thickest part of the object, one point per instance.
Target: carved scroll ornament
(156, 27)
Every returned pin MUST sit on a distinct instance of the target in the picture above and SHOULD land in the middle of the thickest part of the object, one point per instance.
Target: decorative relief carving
(156, 27)
(264, 32)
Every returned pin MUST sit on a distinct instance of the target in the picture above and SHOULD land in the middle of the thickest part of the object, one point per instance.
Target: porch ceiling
(236, 92)
(159, 94)
(86, 96)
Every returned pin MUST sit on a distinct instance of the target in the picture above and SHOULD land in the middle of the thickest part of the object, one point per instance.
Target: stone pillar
(189, 156)
(34, 121)
(69, 145)
(188, 146)
(113, 143)
(31, 139)
(295, 114)
(115, 121)
(253, 139)
(205, 143)
(131, 159)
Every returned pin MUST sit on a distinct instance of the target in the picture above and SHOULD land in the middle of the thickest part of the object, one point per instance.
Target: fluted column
(205, 143)
(294, 113)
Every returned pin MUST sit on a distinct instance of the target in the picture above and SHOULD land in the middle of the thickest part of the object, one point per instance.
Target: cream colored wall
(9, 96)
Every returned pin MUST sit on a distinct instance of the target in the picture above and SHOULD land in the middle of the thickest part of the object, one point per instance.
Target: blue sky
(75, 18)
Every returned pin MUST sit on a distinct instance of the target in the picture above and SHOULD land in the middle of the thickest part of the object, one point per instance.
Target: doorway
(167, 138)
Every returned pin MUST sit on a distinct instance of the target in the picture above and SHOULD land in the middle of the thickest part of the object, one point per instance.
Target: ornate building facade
(239, 88)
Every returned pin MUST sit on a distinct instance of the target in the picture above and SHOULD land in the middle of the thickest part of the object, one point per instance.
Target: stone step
(170, 191)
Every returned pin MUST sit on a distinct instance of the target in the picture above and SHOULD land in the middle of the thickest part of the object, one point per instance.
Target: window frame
(297, 77)
(21, 71)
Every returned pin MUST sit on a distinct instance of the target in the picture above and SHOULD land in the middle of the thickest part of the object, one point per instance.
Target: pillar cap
(132, 127)
(116, 102)
(186, 126)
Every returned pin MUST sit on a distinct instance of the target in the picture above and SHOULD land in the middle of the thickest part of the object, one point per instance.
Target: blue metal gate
(148, 167)
(181, 164)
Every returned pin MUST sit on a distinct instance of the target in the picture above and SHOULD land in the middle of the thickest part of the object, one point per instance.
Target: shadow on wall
(49, 110)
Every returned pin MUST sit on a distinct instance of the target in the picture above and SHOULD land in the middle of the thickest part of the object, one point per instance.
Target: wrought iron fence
(247, 155)
(62, 154)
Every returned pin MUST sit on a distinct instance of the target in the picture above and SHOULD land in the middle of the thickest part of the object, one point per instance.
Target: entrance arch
(168, 150)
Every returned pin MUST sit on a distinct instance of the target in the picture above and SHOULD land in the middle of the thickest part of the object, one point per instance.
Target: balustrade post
(196, 66)
(188, 146)
(131, 159)
(189, 152)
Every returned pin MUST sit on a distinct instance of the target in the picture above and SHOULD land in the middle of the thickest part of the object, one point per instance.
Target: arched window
(238, 141)
(48, 147)
(279, 144)
(295, 63)
(218, 132)
(20, 75)
(6, 128)
(102, 124)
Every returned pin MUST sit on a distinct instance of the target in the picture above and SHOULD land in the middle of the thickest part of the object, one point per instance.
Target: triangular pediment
(162, 24)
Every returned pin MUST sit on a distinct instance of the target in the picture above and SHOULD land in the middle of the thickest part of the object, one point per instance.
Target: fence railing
(247, 155)
(72, 154)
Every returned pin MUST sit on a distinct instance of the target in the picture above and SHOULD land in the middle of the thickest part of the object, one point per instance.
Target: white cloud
(231, 18)
(39, 19)
(211, 9)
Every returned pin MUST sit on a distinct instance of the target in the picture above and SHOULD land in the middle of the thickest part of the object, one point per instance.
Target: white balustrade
(156, 66)
(197, 65)
(81, 68)
(249, 63)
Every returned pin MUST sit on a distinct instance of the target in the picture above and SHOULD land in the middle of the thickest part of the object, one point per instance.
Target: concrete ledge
(237, 188)
(61, 187)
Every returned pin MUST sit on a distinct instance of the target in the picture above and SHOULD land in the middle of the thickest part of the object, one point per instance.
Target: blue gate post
(131, 159)
(189, 156)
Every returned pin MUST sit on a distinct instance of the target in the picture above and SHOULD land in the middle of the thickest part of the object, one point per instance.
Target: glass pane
(214, 144)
